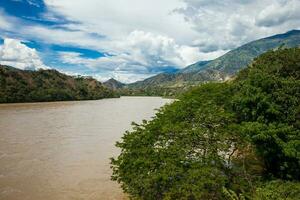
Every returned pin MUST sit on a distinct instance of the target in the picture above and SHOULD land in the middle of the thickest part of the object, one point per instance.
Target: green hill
(223, 67)
(47, 85)
(195, 67)
(235, 60)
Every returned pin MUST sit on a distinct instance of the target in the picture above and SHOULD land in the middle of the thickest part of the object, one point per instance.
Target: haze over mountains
(223, 67)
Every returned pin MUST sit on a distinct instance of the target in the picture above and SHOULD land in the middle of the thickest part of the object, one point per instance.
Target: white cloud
(5, 22)
(121, 17)
(278, 13)
(211, 25)
(119, 67)
(47, 34)
(145, 49)
(141, 47)
(140, 54)
(145, 37)
(16, 54)
(227, 24)
(151, 49)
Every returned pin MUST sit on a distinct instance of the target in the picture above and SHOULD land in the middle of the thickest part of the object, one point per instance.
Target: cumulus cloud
(278, 13)
(142, 53)
(153, 35)
(227, 24)
(157, 50)
(137, 47)
(210, 25)
(120, 17)
(148, 49)
(120, 67)
(16, 54)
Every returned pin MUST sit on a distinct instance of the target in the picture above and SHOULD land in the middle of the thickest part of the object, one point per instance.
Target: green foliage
(220, 140)
(278, 190)
(171, 156)
(152, 91)
(267, 103)
(47, 85)
(231, 195)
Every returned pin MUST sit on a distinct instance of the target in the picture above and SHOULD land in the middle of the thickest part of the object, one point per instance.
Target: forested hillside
(47, 85)
(222, 68)
(234, 140)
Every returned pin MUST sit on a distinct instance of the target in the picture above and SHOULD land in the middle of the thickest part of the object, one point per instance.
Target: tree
(220, 140)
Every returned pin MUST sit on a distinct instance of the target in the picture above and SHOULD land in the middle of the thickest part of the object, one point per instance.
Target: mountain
(153, 81)
(113, 84)
(47, 85)
(239, 58)
(223, 67)
(194, 67)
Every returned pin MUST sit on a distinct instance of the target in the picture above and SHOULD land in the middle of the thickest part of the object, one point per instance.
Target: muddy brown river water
(61, 150)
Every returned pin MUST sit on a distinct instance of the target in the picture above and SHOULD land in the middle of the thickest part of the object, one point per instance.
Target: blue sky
(131, 40)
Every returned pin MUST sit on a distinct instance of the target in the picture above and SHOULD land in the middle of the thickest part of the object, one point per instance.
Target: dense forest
(47, 85)
(234, 140)
(152, 91)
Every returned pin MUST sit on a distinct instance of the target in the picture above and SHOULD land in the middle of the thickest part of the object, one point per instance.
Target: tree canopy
(234, 140)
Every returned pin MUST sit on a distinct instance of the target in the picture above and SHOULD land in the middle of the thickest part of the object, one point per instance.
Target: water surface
(61, 150)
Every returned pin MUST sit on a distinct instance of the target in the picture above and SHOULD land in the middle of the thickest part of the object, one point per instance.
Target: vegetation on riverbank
(48, 85)
(153, 91)
(234, 140)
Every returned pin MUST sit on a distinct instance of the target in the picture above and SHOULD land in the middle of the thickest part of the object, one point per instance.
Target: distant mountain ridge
(113, 84)
(195, 67)
(223, 67)
(48, 85)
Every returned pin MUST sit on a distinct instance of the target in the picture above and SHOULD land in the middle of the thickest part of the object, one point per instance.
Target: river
(61, 150)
